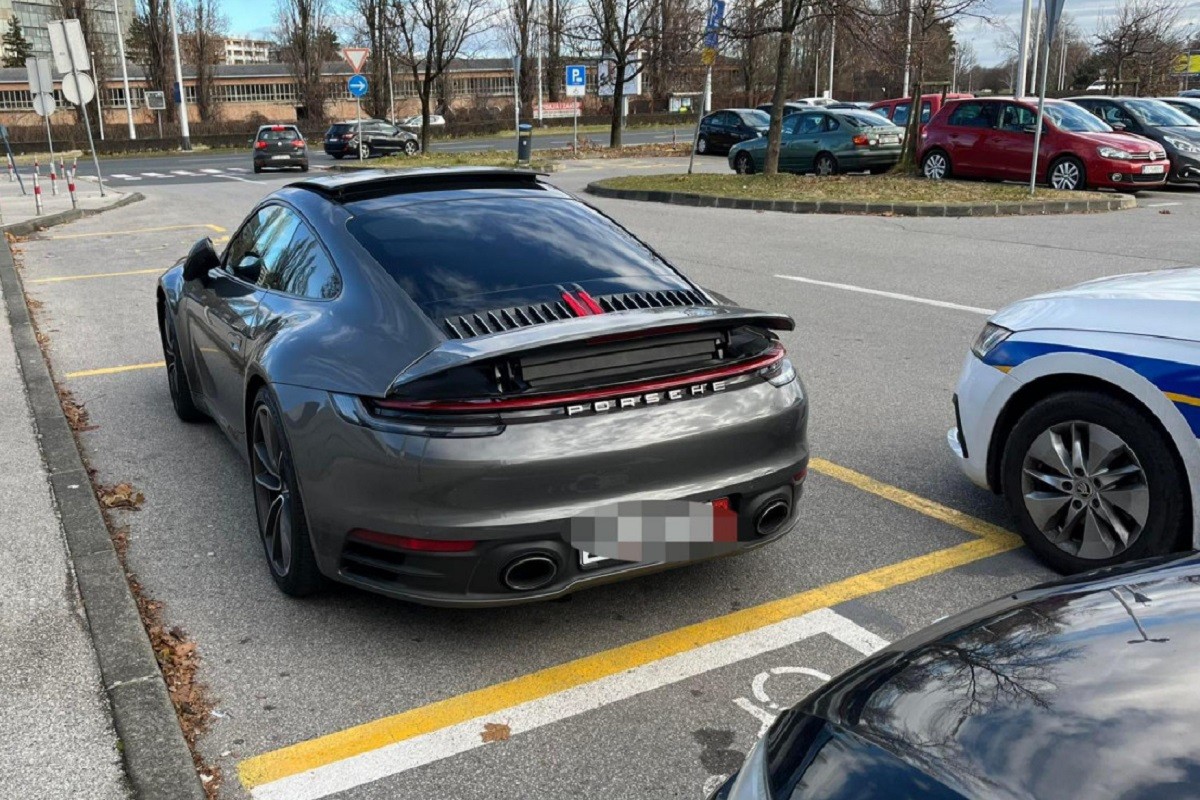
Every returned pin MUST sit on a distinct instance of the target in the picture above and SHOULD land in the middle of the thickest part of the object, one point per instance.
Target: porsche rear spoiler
(459, 352)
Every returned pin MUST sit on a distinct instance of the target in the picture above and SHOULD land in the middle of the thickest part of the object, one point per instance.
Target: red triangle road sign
(355, 57)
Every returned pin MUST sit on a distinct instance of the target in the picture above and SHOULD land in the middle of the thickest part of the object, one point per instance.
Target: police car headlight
(989, 339)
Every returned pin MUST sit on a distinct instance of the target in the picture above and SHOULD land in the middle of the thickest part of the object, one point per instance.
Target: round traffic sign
(44, 105)
(86, 88)
(357, 85)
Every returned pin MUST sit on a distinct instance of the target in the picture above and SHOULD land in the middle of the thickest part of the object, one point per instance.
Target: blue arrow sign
(576, 76)
(357, 85)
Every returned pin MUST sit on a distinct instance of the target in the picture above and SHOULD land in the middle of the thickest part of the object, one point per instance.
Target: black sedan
(378, 138)
(1153, 119)
(450, 385)
(721, 130)
(279, 147)
(1085, 689)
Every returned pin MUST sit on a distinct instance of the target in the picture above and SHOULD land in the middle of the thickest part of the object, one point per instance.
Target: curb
(1037, 207)
(157, 759)
(36, 224)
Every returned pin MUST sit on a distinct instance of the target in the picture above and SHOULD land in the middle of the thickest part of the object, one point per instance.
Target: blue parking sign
(576, 80)
(357, 85)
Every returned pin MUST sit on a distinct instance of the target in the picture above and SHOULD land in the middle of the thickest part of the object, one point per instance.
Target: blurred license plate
(653, 532)
(890, 139)
(280, 158)
(1152, 169)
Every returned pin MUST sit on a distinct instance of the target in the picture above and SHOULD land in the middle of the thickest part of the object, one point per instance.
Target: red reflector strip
(772, 356)
(411, 543)
(725, 521)
(573, 304)
(592, 305)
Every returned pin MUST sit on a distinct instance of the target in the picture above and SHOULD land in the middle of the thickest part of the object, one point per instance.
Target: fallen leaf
(496, 732)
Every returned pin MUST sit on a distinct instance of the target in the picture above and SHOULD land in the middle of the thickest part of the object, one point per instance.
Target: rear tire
(1116, 474)
(825, 164)
(411, 148)
(743, 164)
(177, 379)
(702, 145)
(282, 525)
(936, 165)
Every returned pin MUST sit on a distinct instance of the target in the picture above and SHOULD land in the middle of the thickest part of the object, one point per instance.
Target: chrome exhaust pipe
(529, 573)
(772, 517)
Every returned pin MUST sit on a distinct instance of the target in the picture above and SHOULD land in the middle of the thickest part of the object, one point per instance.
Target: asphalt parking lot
(647, 688)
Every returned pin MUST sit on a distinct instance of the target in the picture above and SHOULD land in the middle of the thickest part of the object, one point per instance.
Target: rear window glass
(474, 247)
(285, 135)
(341, 128)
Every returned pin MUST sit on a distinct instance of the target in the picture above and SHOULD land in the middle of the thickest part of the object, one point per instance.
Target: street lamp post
(184, 133)
(124, 69)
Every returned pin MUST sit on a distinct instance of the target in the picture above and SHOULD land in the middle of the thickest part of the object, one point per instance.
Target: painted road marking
(156, 175)
(376, 746)
(62, 278)
(211, 171)
(88, 373)
(214, 228)
(1162, 205)
(893, 295)
(123, 176)
(547, 709)
(236, 178)
(188, 173)
(238, 169)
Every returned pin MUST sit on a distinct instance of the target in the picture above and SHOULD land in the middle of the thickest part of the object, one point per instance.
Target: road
(223, 166)
(650, 688)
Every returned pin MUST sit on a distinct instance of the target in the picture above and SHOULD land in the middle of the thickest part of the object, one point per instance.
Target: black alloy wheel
(277, 503)
(177, 380)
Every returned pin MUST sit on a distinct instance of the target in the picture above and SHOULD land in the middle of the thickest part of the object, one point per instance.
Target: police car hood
(1164, 303)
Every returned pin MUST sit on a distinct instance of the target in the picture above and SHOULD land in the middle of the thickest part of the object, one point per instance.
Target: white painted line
(123, 176)
(155, 175)
(237, 178)
(238, 169)
(893, 295)
(183, 172)
(1161, 205)
(212, 171)
(393, 759)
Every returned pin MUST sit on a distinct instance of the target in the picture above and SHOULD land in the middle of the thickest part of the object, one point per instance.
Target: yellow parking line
(87, 373)
(324, 750)
(214, 228)
(62, 278)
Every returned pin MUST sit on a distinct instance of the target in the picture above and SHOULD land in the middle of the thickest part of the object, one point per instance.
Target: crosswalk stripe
(155, 175)
(183, 172)
(211, 171)
(238, 169)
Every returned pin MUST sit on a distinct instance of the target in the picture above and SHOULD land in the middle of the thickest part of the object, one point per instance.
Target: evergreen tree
(16, 47)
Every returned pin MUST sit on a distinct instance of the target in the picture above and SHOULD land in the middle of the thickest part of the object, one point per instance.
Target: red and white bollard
(37, 191)
(53, 179)
(12, 170)
(71, 188)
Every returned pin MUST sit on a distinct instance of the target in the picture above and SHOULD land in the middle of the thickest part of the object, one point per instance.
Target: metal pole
(99, 99)
(358, 120)
(832, 45)
(1023, 51)
(517, 96)
(703, 111)
(1035, 62)
(538, 34)
(1041, 115)
(908, 53)
(124, 70)
(184, 133)
(87, 122)
(50, 144)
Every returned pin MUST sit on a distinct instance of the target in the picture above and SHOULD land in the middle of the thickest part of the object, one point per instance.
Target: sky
(247, 17)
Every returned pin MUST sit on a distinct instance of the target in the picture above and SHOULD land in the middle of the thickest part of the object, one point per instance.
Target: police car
(1082, 407)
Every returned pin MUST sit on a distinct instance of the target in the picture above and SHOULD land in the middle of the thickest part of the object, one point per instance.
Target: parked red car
(993, 138)
(897, 109)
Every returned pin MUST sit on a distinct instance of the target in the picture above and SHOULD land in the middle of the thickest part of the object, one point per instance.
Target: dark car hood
(1189, 133)
(1088, 688)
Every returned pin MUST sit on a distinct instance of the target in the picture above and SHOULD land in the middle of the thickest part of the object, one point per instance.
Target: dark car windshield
(519, 246)
(1070, 117)
(1158, 114)
(756, 119)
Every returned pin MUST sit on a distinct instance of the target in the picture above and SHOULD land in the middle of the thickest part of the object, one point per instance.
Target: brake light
(260, 145)
(278, 128)
(412, 543)
(861, 141)
(486, 405)
(297, 143)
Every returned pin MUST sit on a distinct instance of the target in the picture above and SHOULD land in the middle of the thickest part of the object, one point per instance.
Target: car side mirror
(249, 268)
(200, 259)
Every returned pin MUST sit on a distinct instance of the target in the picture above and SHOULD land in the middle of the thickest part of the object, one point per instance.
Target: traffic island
(544, 160)
(886, 195)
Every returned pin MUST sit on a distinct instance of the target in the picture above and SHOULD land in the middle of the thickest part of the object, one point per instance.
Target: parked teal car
(826, 141)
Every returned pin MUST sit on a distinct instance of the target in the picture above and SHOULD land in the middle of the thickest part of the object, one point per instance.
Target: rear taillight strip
(483, 406)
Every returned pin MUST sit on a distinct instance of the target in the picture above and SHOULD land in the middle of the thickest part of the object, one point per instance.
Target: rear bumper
(869, 158)
(515, 493)
(292, 160)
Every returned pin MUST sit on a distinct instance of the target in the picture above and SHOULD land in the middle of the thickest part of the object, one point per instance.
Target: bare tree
(557, 11)
(520, 28)
(1139, 43)
(203, 44)
(303, 35)
(367, 21)
(620, 29)
(149, 46)
(432, 34)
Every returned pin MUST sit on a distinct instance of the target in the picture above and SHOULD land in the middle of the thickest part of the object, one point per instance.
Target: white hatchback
(1082, 407)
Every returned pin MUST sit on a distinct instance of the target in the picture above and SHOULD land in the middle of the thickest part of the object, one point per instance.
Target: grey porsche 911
(466, 387)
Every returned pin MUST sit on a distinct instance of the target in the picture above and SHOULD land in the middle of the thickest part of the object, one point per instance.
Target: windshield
(1158, 114)
(1070, 117)
(866, 119)
(757, 119)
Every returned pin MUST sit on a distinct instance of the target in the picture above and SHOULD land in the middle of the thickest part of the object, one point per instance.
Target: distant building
(34, 14)
(249, 51)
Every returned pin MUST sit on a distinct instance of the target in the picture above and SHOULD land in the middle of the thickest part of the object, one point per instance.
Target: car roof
(1025, 696)
(348, 187)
